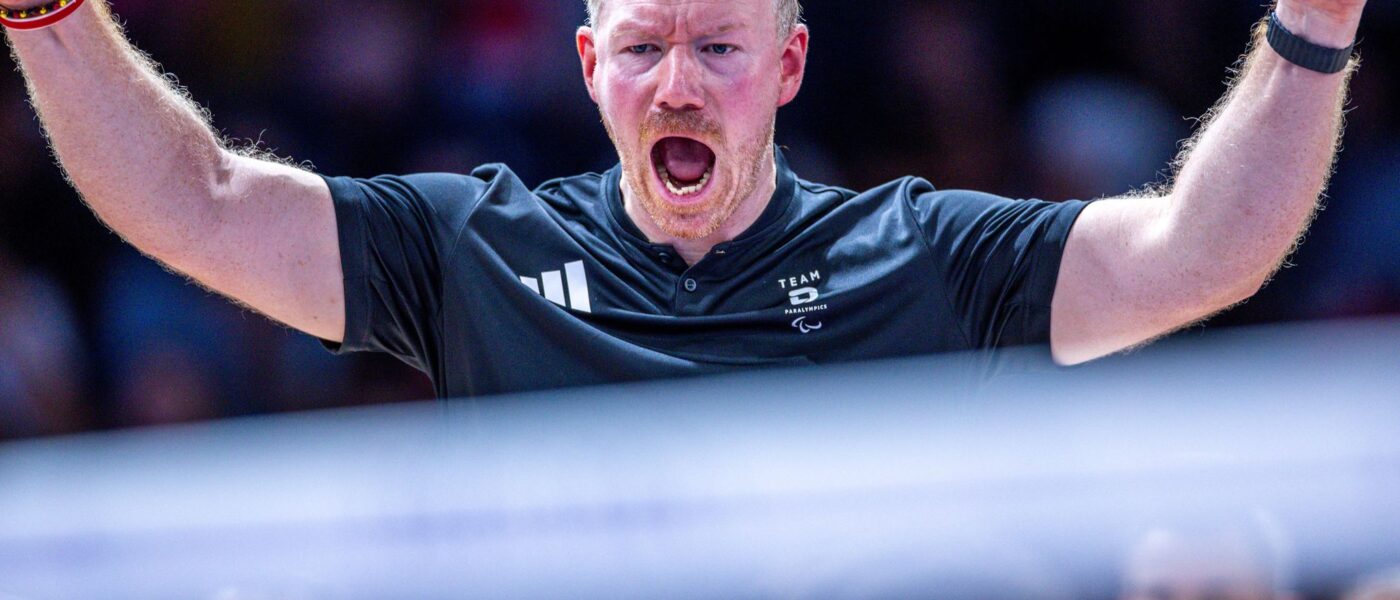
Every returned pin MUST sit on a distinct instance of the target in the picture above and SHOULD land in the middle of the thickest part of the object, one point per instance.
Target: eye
(721, 49)
(640, 48)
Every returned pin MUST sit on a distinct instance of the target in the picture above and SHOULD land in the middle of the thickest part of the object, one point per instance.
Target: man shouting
(701, 250)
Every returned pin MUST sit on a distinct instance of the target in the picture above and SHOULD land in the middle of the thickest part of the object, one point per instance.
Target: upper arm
(357, 262)
(1124, 281)
(270, 241)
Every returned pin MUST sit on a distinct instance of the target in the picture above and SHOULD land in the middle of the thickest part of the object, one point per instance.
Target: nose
(679, 87)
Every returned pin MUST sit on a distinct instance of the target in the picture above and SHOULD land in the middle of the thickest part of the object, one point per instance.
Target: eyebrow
(635, 26)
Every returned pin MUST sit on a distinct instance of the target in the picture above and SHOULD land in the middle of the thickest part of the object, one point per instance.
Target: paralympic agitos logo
(802, 325)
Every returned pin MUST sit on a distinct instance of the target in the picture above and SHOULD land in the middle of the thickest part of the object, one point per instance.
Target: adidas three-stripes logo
(554, 282)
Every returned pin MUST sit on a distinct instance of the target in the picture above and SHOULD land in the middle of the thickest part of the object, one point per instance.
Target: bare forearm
(1251, 182)
(139, 152)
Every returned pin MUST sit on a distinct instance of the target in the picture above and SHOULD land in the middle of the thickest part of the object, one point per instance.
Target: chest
(847, 290)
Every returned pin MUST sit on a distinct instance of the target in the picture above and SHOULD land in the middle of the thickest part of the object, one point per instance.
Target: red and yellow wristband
(39, 16)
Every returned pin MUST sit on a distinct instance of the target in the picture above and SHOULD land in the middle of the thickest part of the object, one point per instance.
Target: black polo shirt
(490, 287)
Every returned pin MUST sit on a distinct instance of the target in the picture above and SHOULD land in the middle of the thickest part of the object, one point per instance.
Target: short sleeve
(395, 233)
(999, 260)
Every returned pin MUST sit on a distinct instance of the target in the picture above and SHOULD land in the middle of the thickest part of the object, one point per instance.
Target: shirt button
(690, 285)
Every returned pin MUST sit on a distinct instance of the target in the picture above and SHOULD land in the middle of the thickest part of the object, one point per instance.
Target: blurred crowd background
(1052, 100)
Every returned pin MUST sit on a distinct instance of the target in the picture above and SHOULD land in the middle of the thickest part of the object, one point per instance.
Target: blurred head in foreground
(1380, 586)
(1246, 559)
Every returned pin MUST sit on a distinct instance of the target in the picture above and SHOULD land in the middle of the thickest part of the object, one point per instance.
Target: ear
(588, 55)
(793, 63)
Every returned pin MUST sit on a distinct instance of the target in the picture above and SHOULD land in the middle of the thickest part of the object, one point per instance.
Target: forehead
(667, 16)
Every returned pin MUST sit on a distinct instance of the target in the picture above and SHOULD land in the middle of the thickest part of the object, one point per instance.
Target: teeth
(687, 190)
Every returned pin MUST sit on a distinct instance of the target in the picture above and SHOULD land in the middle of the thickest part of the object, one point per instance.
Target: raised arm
(1247, 186)
(145, 159)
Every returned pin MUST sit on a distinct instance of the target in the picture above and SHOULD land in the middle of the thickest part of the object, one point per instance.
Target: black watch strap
(1304, 53)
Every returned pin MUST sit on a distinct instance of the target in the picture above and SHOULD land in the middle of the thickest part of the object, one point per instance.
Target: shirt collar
(773, 215)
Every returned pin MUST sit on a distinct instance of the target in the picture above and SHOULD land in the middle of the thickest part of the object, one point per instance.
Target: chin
(690, 221)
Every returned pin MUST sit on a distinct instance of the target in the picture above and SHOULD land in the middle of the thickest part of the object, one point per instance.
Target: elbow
(1251, 282)
(181, 230)
(1249, 286)
(1232, 291)
(1070, 357)
(1225, 271)
(1077, 343)
(170, 248)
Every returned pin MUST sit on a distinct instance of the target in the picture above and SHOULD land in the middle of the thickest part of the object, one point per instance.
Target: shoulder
(585, 184)
(914, 193)
(577, 202)
(889, 200)
(953, 215)
(432, 192)
(889, 195)
(574, 192)
(421, 214)
(958, 209)
(441, 197)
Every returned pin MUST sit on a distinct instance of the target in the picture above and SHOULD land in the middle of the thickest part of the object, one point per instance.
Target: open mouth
(683, 165)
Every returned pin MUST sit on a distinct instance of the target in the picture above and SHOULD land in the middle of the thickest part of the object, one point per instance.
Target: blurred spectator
(1353, 254)
(1211, 559)
(42, 368)
(172, 345)
(1093, 137)
(954, 124)
(180, 353)
(1379, 586)
(956, 569)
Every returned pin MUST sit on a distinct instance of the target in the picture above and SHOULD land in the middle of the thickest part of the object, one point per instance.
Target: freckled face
(689, 92)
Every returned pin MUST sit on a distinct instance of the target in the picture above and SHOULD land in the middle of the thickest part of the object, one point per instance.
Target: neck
(745, 215)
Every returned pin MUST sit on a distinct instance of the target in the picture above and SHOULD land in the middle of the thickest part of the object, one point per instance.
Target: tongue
(686, 160)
